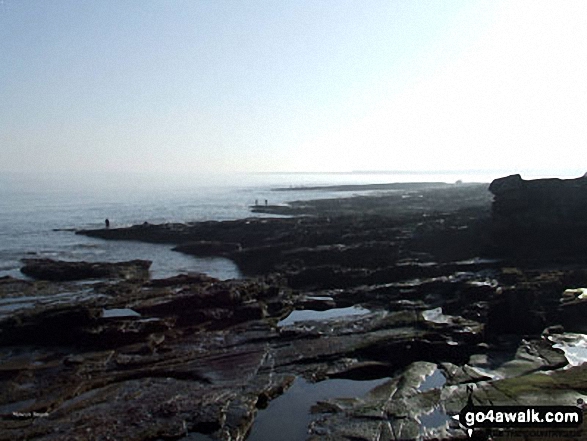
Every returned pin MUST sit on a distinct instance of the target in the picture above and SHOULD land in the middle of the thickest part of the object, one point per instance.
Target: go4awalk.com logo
(519, 417)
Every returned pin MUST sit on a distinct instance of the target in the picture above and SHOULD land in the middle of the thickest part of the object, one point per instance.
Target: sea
(39, 216)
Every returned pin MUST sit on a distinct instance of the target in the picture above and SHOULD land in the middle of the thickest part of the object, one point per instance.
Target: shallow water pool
(288, 416)
(307, 315)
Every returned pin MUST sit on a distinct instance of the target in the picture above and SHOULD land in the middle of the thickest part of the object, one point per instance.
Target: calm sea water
(31, 211)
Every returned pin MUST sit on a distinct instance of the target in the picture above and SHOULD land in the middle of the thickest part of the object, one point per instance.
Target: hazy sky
(278, 85)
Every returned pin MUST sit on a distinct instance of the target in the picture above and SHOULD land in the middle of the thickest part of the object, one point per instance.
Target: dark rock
(54, 326)
(516, 311)
(208, 248)
(316, 303)
(540, 219)
(539, 202)
(573, 313)
(251, 311)
(552, 330)
(361, 371)
(57, 270)
(13, 286)
(182, 279)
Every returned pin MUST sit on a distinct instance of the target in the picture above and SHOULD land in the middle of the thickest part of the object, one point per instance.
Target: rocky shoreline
(416, 287)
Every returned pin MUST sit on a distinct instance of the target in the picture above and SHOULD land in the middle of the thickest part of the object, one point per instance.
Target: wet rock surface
(396, 288)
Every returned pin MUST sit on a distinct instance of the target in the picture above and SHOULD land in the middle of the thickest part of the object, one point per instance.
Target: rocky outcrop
(539, 202)
(55, 270)
(541, 218)
(425, 223)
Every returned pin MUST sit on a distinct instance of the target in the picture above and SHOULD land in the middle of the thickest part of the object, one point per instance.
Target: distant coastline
(367, 187)
(571, 172)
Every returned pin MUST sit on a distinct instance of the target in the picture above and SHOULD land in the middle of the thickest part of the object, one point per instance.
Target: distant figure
(265, 202)
(256, 202)
(107, 222)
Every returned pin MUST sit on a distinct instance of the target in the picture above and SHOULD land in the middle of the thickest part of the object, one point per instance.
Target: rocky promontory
(405, 292)
(540, 217)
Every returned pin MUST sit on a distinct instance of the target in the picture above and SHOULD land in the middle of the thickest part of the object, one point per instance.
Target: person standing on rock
(107, 222)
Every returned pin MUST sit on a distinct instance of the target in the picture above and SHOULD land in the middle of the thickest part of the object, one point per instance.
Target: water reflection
(433, 381)
(288, 416)
(573, 345)
(433, 420)
(306, 314)
(119, 313)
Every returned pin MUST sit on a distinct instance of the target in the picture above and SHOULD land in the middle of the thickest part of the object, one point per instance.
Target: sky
(206, 86)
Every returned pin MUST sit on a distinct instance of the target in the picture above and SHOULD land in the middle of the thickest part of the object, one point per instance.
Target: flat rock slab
(55, 270)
